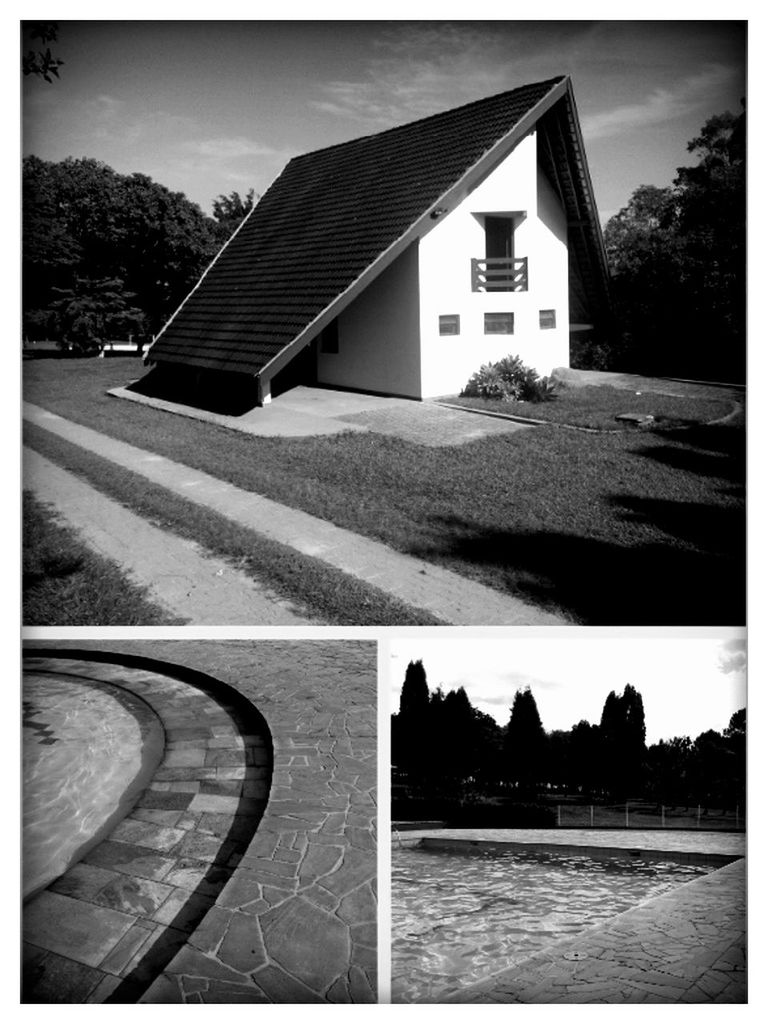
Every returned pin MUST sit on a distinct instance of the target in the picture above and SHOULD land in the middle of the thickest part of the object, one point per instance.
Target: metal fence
(644, 815)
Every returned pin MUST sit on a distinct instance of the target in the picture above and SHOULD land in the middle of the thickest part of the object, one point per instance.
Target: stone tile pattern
(296, 920)
(687, 946)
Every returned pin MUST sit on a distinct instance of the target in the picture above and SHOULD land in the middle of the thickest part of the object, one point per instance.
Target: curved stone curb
(115, 918)
(296, 922)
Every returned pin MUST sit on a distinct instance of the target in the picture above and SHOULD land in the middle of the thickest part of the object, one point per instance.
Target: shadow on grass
(717, 452)
(602, 583)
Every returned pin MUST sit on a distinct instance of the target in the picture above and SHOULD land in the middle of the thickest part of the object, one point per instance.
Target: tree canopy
(677, 257)
(105, 252)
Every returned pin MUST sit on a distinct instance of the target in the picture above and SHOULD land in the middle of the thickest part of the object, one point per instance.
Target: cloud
(236, 148)
(732, 656)
(660, 106)
(422, 69)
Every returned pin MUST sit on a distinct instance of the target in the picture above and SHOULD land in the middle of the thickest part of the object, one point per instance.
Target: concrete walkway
(311, 412)
(687, 946)
(448, 596)
(179, 575)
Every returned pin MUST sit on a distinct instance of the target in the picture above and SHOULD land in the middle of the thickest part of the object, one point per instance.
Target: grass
(597, 408)
(611, 528)
(65, 584)
(322, 592)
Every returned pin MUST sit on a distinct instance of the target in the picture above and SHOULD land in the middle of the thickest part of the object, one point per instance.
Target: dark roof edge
(389, 255)
(603, 256)
(146, 358)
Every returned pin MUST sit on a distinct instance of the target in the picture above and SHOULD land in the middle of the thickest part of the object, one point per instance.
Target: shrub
(510, 380)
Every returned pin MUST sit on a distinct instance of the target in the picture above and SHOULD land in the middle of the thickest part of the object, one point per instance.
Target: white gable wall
(379, 335)
(517, 187)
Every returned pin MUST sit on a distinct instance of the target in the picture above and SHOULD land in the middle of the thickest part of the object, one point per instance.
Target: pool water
(89, 749)
(460, 918)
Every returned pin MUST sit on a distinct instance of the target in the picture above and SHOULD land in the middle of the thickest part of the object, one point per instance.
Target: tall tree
(622, 728)
(525, 743)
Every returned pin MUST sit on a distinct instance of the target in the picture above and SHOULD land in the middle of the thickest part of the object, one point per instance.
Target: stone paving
(452, 598)
(186, 901)
(687, 946)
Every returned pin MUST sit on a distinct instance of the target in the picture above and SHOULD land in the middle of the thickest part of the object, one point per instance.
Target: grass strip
(323, 592)
(66, 584)
(629, 528)
(597, 407)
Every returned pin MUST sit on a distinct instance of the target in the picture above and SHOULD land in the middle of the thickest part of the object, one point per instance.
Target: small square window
(450, 323)
(499, 323)
(547, 319)
(329, 339)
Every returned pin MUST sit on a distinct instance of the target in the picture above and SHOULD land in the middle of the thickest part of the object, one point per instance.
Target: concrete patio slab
(316, 411)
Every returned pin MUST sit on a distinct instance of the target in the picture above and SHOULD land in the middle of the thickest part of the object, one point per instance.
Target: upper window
(499, 323)
(450, 323)
(547, 320)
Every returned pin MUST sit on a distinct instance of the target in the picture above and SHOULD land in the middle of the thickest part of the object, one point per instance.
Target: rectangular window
(450, 323)
(547, 319)
(499, 323)
(329, 339)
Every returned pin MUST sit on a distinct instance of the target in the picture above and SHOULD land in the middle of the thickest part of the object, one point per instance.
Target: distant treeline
(441, 744)
(106, 255)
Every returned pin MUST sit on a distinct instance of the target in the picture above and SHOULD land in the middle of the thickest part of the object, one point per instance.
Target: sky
(688, 684)
(210, 107)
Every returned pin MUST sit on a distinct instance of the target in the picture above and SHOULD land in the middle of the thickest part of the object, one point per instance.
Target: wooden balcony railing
(500, 274)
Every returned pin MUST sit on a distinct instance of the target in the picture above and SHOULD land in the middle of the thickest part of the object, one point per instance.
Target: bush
(510, 380)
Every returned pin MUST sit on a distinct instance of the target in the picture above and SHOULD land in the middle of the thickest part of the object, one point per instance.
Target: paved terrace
(687, 946)
(207, 892)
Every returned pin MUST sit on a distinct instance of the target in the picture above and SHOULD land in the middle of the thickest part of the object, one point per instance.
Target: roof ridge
(430, 117)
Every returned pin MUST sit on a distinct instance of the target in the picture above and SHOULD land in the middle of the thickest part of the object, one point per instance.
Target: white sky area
(210, 106)
(688, 685)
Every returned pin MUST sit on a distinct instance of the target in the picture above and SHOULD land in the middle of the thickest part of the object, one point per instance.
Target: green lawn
(598, 407)
(65, 584)
(612, 528)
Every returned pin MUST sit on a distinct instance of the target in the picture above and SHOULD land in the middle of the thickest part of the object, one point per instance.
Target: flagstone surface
(246, 872)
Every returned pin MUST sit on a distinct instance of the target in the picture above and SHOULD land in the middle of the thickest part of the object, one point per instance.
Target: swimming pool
(458, 918)
(89, 749)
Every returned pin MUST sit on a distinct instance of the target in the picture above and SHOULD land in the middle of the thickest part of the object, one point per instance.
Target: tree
(91, 312)
(410, 731)
(83, 222)
(230, 211)
(622, 728)
(41, 62)
(677, 258)
(524, 743)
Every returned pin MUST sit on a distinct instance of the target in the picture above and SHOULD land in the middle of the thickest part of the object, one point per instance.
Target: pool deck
(687, 946)
(246, 872)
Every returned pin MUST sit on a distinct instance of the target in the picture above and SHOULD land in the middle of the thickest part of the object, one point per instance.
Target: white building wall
(379, 335)
(515, 187)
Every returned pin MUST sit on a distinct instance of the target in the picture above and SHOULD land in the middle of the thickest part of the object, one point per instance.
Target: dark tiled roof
(328, 216)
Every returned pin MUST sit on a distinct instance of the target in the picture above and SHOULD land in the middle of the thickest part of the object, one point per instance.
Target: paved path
(179, 575)
(285, 915)
(448, 596)
(311, 412)
(687, 946)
